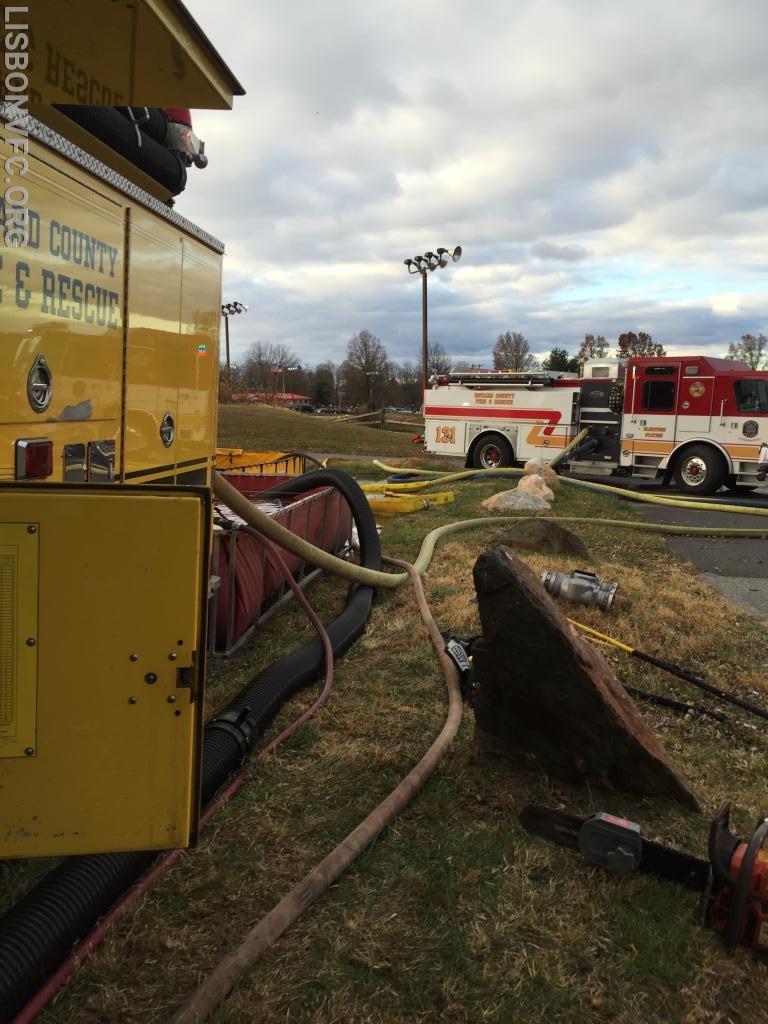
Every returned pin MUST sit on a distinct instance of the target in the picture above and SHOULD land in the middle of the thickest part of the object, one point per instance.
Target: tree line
(512, 351)
(368, 378)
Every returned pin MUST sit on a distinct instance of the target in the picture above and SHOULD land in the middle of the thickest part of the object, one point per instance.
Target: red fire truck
(697, 421)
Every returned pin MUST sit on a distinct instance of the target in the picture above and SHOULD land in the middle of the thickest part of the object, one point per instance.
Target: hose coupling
(580, 586)
(240, 725)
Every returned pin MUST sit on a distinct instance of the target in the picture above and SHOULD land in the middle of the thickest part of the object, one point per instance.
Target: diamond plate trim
(42, 133)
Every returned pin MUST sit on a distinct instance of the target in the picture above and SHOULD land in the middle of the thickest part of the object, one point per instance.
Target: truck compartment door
(102, 605)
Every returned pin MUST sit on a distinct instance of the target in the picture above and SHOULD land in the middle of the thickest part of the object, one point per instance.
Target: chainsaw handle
(739, 897)
(722, 843)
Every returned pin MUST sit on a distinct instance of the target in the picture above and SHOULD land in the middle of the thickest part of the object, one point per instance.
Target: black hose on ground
(41, 929)
(237, 727)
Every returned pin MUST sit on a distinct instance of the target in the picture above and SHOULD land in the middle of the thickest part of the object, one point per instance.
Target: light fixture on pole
(290, 369)
(423, 265)
(229, 309)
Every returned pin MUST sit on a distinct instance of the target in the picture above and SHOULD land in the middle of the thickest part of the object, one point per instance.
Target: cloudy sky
(604, 166)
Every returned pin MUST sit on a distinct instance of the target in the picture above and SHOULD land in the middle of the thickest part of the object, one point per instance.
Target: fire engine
(698, 421)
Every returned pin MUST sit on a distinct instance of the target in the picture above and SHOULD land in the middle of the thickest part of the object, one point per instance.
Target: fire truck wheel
(700, 470)
(492, 452)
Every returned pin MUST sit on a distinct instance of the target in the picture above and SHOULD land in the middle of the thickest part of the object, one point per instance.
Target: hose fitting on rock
(580, 586)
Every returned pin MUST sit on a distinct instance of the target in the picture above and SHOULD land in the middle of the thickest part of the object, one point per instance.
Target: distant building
(286, 399)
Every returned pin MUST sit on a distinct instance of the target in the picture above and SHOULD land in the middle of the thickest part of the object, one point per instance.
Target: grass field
(455, 914)
(263, 426)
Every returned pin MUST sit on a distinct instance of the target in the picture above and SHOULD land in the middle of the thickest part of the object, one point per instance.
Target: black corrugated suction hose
(153, 121)
(41, 929)
(113, 128)
(260, 699)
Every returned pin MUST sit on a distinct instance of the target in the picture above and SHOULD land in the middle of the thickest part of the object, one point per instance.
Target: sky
(603, 165)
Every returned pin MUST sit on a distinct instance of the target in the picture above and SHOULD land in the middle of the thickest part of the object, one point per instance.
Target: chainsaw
(733, 882)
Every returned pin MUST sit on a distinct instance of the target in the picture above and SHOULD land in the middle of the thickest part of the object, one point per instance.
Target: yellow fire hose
(649, 499)
(470, 473)
(313, 555)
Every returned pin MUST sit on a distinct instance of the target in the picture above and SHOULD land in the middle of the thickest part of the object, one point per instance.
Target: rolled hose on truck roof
(40, 930)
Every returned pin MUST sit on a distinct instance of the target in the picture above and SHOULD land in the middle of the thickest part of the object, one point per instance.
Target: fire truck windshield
(751, 395)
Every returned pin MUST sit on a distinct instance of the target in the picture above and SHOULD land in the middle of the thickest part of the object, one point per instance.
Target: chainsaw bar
(661, 861)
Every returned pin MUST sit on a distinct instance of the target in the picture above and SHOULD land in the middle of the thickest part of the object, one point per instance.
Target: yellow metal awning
(124, 52)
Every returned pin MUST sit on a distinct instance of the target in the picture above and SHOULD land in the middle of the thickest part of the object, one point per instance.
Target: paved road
(738, 568)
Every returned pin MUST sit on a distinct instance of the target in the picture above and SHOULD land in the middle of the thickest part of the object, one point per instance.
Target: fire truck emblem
(697, 389)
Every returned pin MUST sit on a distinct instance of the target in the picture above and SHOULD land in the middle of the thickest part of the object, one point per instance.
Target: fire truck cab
(697, 421)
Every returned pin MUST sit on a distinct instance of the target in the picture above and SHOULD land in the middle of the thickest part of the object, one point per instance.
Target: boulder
(535, 467)
(514, 501)
(548, 700)
(536, 485)
(544, 536)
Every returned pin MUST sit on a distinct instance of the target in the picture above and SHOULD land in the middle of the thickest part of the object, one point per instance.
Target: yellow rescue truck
(108, 382)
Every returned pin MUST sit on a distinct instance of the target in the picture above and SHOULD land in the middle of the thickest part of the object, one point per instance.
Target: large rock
(537, 467)
(536, 485)
(549, 700)
(545, 536)
(515, 501)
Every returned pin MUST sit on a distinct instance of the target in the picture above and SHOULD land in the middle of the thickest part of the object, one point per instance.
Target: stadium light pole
(290, 369)
(424, 265)
(229, 309)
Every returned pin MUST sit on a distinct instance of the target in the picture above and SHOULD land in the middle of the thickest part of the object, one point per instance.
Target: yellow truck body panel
(121, 299)
(103, 592)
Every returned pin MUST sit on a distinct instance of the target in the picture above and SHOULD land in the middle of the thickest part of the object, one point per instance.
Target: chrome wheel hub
(490, 457)
(694, 471)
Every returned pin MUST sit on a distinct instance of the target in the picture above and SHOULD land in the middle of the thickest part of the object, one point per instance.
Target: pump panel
(102, 605)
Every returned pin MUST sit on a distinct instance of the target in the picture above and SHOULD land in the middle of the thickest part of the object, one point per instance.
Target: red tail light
(34, 459)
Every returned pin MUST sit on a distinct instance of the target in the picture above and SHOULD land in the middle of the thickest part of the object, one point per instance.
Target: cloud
(566, 253)
(604, 167)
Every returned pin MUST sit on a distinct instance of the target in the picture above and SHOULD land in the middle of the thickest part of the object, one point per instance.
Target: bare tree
(438, 360)
(265, 367)
(593, 347)
(512, 352)
(640, 345)
(750, 350)
(365, 367)
(407, 384)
